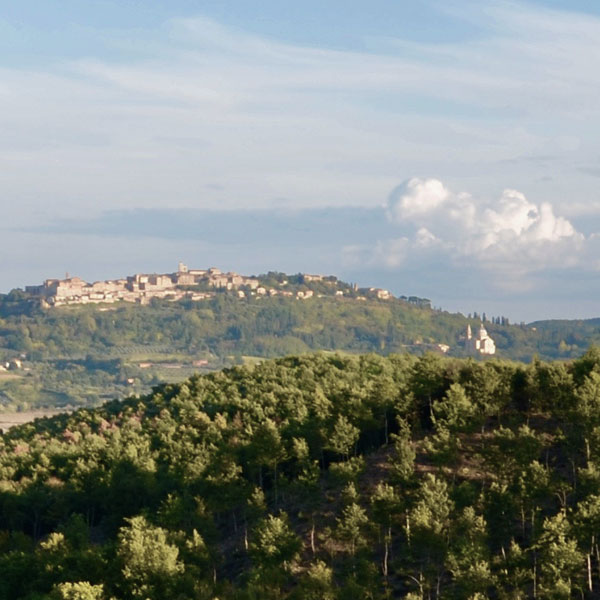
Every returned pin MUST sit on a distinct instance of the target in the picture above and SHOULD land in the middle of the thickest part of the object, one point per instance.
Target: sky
(444, 150)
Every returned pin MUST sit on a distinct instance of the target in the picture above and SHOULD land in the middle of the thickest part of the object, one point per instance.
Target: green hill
(83, 355)
(315, 477)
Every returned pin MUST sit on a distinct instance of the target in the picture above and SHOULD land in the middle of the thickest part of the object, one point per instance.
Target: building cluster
(481, 343)
(140, 288)
(193, 284)
(381, 294)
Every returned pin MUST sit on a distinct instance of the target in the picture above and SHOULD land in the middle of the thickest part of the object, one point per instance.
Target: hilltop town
(202, 284)
(139, 288)
(185, 283)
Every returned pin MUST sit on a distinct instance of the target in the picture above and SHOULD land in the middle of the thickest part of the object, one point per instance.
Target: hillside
(85, 354)
(315, 477)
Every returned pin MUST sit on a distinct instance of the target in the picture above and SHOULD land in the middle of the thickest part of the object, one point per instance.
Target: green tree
(80, 590)
(306, 485)
(429, 522)
(455, 411)
(385, 507)
(269, 450)
(149, 562)
(403, 454)
(444, 447)
(317, 583)
(352, 527)
(343, 437)
(275, 546)
(587, 528)
(586, 412)
(560, 559)
(468, 558)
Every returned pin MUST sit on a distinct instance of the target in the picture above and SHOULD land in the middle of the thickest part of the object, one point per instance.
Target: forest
(315, 477)
(85, 355)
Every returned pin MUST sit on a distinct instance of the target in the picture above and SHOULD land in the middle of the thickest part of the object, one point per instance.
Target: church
(482, 343)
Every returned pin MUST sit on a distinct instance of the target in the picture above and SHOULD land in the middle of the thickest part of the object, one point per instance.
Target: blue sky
(453, 147)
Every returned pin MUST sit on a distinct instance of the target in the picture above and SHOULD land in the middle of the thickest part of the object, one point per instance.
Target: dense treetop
(315, 477)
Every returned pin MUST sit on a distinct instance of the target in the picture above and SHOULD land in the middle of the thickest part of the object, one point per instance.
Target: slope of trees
(81, 355)
(315, 477)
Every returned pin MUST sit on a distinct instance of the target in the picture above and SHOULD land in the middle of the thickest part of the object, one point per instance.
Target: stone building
(482, 343)
(140, 288)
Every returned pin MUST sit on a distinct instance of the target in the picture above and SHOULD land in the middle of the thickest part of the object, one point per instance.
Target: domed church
(482, 343)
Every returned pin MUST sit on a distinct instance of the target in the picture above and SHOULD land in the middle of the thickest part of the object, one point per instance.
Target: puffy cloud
(525, 220)
(416, 197)
(512, 234)
(514, 214)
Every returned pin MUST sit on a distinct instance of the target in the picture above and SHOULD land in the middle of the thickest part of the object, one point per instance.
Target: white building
(482, 343)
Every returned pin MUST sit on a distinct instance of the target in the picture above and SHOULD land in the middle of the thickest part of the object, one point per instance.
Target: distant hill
(85, 354)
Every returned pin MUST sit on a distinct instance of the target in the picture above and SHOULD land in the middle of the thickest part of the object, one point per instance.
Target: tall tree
(150, 564)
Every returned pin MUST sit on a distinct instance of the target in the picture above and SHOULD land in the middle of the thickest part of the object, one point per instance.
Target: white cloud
(416, 197)
(512, 234)
(519, 221)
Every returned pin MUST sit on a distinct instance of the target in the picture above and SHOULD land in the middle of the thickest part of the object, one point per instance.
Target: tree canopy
(316, 476)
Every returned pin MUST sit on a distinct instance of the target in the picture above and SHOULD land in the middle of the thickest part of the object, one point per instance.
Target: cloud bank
(509, 256)
(510, 236)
